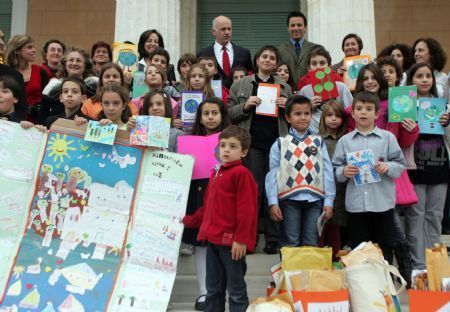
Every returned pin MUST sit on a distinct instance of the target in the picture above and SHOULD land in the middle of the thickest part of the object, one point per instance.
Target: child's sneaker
(186, 249)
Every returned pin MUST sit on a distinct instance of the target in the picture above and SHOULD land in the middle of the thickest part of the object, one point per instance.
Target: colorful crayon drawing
(216, 85)
(190, 100)
(354, 65)
(139, 85)
(76, 228)
(402, 103)
(324, 84)
(101, 134)
(365, 162)
(430, 109)
(151, 131)
(18, 163)
(126, 56)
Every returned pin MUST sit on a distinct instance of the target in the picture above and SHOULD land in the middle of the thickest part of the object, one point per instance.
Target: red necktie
(225, 62)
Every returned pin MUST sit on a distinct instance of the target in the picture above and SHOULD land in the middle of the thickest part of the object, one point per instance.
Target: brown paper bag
(438, 266)
(368, 251)
(279, 303)
(316, 280)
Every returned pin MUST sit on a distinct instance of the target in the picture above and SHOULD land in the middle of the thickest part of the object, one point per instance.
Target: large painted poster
(76, 228)
(20, 152)
(147, 277)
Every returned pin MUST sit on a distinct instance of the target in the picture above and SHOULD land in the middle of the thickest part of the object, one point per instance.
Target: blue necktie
(297, 48)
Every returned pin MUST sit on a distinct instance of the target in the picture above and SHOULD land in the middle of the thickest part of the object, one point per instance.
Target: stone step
(257, 264)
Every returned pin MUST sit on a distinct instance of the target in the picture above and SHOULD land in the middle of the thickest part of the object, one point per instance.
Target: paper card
(151, 131)
(126, 56)
(268, 93)
(190, 100)
(139, 85)
(216, 85)
(100, 134)
(321, 223)
(364, 160)
(354, 64)
(324, 84)
(205, 150)
(402, 103)
(430, 109)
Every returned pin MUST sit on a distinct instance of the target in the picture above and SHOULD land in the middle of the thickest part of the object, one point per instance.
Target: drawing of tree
(132, 299)
(121, 297)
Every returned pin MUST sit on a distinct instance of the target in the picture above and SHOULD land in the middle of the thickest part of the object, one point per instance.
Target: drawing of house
(81, 277)
(71, 304)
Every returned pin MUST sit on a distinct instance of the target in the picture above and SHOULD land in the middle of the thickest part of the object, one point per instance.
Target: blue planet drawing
(354, 69)
(432, 114)
(128, 57)
(191, 106)
(402, 104)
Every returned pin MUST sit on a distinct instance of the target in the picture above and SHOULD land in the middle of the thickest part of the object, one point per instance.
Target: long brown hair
(207, 90)
(336, 107)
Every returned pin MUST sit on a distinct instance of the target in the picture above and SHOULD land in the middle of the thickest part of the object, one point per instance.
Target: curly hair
(87, 63)
(438, 57)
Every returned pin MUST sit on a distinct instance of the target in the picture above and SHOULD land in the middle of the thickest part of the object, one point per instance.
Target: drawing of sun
(59, 147)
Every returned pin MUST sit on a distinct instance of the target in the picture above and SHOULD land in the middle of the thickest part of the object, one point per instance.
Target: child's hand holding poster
(151, 131)
(324, 84)
(430, 109)
(402, 103)
(365, 162)
(100, 134)
(268, 93)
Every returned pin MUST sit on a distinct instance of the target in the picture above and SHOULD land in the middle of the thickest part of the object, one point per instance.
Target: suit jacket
(298, 65)
(242, 57)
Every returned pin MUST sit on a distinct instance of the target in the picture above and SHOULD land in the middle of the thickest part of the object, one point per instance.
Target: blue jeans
(224, 274)
(299, 225)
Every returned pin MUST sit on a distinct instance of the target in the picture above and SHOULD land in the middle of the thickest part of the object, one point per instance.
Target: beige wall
(404, 21)
(74, 22)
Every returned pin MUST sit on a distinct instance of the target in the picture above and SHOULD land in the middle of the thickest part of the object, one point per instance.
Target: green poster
(402, 103)
(20, 154)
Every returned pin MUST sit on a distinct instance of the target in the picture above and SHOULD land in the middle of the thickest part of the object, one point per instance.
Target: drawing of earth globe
(127, 57)
(353, 70)
(432, 114)
(191, 106)
(402, 103)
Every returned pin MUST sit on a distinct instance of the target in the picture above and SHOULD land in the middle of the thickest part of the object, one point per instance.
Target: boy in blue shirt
(369, 206)
(300, 183)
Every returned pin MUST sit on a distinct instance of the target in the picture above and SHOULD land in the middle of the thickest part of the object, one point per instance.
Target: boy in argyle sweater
(300, 183)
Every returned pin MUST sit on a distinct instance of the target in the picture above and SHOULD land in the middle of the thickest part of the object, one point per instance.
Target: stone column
(134, 17)
(19, 17)
(330, 20)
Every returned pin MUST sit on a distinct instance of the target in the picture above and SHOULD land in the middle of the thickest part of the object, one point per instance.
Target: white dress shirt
(218, 52)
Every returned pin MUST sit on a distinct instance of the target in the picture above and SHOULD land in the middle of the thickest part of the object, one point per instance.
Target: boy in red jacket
(227, 223)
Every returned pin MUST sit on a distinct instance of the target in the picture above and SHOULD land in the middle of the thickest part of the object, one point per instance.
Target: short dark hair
(49, 42)
(296, 14)
(208, 58)
(438, 57)
(358, 40)
(159, 51)
(412, 72)
(186, 58)
(319, 50)
(366, 97)
(102, 44)
(297, 100)
(389, 60)
(242, 135)
(143, 38)
(10, 83)
(408, 58)
(378, 74)
(266, 48)
(76, 81)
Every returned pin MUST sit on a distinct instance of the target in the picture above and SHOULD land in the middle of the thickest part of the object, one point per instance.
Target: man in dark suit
(227, 54)
(295, 52)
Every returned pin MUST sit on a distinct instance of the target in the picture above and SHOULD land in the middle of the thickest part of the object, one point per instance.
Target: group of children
(295, 166)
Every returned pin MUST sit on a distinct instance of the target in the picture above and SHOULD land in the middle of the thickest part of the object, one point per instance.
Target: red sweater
(230, 210)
